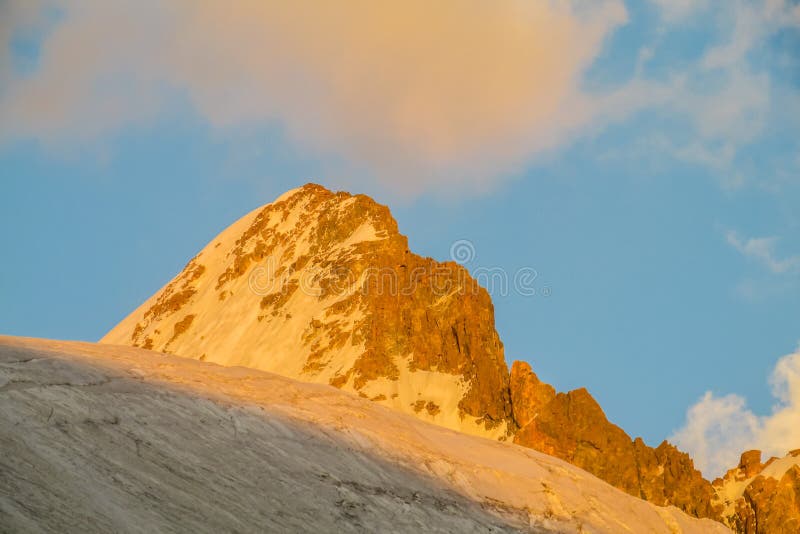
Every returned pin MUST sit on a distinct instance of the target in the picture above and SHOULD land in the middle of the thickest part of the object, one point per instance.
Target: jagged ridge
(572, 426)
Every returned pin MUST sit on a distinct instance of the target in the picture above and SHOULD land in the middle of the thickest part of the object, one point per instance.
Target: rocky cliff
(572, 426)
(761, 498)
(321, 286)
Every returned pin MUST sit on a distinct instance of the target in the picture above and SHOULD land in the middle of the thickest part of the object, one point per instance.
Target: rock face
(100, 438)
(572, 426)
(321, 286)
(762, 498)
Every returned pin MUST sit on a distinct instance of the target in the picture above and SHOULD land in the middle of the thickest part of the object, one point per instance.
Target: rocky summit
(320, 286)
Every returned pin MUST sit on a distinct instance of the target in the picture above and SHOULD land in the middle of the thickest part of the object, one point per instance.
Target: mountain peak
(321, 286)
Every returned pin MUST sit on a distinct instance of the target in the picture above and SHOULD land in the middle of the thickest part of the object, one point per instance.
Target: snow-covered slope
(100, 438)
(321, 286)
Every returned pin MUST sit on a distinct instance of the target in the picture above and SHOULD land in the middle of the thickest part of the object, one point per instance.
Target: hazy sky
(642, 157)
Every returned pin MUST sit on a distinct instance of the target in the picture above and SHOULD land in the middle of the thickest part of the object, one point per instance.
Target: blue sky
(650, 173)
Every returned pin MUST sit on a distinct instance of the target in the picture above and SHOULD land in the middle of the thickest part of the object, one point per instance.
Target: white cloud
(726, 96)
(762, 249)
(677, 10)
(719, 429)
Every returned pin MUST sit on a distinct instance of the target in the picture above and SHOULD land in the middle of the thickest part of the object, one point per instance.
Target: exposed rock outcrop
(762, 498)
(572, 426)
(321, 286)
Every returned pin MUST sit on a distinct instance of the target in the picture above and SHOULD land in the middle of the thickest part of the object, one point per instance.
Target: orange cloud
(409, 92)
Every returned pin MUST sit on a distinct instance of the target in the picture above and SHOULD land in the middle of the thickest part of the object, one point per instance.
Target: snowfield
(102, 438)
